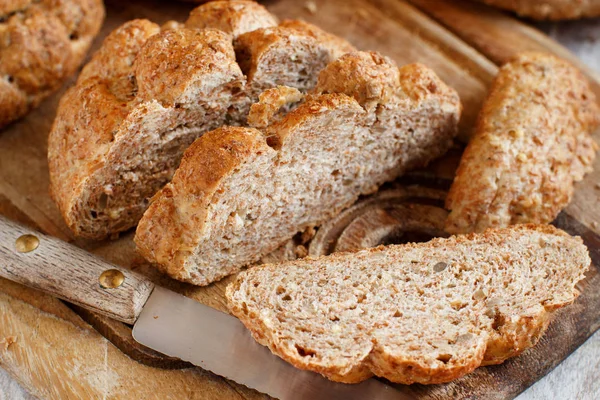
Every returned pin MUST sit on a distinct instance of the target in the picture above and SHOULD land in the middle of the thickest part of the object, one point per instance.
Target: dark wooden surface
(463, 44)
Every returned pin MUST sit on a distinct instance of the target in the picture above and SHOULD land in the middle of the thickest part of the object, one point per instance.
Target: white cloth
(10, 389)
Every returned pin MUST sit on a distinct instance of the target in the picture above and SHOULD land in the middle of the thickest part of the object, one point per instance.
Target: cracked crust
(319, 158)
(420, 312)
(532, 143)
(148, 93)
(42, 43)
(550, 9)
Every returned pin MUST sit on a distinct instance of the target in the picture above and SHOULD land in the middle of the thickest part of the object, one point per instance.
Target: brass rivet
(111, 279)
(27, 243)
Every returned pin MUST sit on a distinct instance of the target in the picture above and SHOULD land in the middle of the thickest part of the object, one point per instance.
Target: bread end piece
(532, 143)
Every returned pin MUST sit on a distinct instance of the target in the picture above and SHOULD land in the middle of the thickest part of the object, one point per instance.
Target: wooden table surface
(578, 377)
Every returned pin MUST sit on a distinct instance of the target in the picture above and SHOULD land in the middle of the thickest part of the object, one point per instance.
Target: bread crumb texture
(42, 43)
(421, 312)
(531, 144)
(240, 193)
(550, 9)
(149, 92)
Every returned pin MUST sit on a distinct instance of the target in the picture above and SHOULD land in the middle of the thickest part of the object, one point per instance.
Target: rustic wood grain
(120, 335)
(58, 356)
(70, 273)
(495, 34)
(393, 27)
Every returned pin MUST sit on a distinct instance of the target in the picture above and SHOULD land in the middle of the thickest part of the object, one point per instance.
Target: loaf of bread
(42, 43)
(239, 193)
(148, 93)
(420, 312)
(550, 9)
(532, 143)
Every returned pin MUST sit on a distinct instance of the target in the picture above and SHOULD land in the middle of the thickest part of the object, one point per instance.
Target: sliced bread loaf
(532, 143)
(421, 312)
(148, 93)
(239, 193)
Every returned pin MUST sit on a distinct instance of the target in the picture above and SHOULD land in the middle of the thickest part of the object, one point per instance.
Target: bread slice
(532, 143)
(148, 93)
(420, 312)
(240, 193)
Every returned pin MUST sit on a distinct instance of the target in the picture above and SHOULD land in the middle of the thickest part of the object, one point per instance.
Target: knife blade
(164, 320)
(181, 327)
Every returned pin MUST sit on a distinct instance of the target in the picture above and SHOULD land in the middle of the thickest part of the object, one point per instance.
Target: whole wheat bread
(239, 193)
(532, 143)
(149, 92)
(420, 312)
(42, 43)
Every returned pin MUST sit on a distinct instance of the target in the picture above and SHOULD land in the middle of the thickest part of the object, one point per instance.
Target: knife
(164, 320)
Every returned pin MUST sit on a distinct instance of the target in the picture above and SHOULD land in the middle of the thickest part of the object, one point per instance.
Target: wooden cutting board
(58, 355)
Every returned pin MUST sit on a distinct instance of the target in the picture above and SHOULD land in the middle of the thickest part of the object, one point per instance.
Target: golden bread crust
(532, 143)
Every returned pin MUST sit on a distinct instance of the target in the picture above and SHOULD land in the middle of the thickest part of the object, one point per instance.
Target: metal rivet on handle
(27, 243)
(111, 279)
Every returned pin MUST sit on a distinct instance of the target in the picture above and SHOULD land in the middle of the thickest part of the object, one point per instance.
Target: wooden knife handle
(70, 273)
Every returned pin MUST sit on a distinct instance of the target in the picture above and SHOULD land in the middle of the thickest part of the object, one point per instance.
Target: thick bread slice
(145, 96)
(313, 163)
(421, 312)
(532, 143)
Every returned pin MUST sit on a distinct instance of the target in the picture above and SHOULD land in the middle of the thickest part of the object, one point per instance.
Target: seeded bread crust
(532, 143)
(314, 161)
(550, 9)
(421, 312)
(42, 43)
(145, 96)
